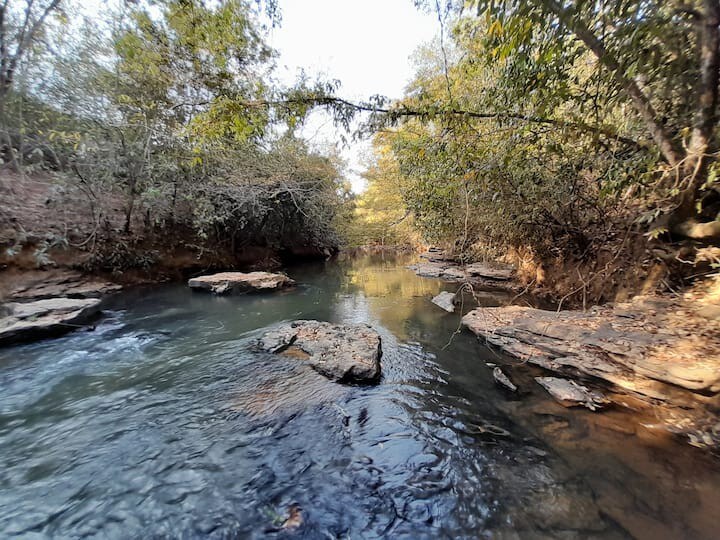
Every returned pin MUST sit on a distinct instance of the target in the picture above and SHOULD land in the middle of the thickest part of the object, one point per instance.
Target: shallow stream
(164, 422)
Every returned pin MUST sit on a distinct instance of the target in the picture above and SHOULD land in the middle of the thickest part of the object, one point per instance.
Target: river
(164, 422)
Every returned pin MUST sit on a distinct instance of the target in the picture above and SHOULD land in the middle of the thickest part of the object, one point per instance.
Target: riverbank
(53, 222)
(656, 356)
(169, 399)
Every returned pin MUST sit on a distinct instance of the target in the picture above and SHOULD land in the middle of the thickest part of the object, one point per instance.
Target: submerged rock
(344, 353)
(240, 282)
(446, 300)
(503, 380)
(42, 318)
(570, 393)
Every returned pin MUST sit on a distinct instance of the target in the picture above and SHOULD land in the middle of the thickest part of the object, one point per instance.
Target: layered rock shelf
(50, 303)
(345, 353)
(649, 348)
(42, 286)
(438, 265)
(240, 282)
(47, 317)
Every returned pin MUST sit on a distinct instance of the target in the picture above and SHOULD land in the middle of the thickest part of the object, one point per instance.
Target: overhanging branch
(427, 114)
(404, 111)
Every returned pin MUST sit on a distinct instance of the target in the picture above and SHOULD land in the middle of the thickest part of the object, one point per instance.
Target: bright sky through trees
(367, 45)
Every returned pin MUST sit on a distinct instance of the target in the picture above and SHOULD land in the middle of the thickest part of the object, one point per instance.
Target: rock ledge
(488, 274)
(657, 350)
(43, 318)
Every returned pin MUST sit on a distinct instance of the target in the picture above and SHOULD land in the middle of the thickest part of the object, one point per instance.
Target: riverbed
(166, 422)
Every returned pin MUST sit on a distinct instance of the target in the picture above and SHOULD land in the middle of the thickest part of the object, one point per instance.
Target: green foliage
(520, 130)
(165, 110)
(380, 216)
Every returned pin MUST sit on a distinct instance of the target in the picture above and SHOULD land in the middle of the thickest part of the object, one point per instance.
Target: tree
(380, 215)
(662, 58)
(21, 26)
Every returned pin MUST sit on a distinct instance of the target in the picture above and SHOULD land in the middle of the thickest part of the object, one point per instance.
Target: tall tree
(21, 26)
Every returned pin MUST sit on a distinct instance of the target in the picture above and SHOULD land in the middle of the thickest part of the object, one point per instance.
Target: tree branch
(403, 111)
(406, 112)
(25, 38)
(640, 101)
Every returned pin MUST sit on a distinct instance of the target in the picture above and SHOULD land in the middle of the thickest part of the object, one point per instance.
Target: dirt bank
(48, 223)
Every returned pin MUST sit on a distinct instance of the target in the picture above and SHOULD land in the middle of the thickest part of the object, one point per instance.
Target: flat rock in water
(503, 380)
(437, 255)
(454, 273)
(345, 353)
(431, 269)
(24, 321)
(606, 344)
(490, 274)
(570, 393)
(445, 300)
(648, 351)
(240, 282)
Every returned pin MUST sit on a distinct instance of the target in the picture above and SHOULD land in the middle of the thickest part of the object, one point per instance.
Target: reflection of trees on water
(378, 286)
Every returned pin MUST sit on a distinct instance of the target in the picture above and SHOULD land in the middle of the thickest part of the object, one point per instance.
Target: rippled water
(164, 422)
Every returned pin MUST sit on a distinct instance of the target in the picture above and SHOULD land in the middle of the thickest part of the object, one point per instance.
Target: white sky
(366, 44)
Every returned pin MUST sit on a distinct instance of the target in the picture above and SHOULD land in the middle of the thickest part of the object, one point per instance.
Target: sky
(366, 44)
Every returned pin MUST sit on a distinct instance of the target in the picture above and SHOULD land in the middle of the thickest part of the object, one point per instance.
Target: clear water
(164, 423)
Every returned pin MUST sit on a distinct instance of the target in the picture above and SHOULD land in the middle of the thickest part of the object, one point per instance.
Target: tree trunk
(672, 154)
(6, 139)
(703, 143)
(131, 204)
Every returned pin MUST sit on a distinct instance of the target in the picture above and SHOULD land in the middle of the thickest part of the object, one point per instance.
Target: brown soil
(50, 224)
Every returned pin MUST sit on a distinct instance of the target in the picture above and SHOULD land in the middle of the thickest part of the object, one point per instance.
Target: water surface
(165, 423)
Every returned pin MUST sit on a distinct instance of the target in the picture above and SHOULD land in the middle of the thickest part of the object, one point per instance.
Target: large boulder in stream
(42, 318)
(240, 282)
(345, 353)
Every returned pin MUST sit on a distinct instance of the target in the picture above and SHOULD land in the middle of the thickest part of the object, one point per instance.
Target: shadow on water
(165, 422)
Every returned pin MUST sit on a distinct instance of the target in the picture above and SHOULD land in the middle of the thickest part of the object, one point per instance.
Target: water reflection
(166, 423)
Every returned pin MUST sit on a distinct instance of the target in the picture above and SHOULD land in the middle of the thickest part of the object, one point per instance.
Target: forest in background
(577, 140)
(161, 133)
